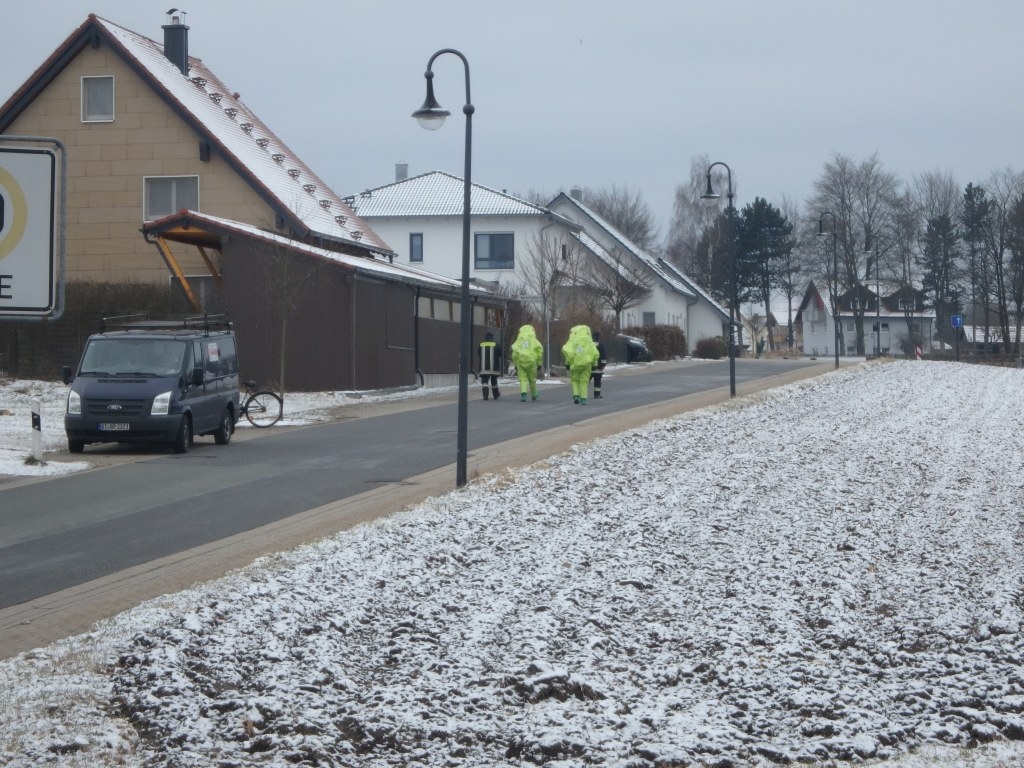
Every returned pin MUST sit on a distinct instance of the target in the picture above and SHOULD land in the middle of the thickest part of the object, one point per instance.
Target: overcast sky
(601, 92)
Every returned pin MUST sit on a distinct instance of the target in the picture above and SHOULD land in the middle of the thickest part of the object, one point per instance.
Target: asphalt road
(76, 548)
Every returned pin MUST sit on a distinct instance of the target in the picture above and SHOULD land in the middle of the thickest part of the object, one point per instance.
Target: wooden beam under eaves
(172, 264)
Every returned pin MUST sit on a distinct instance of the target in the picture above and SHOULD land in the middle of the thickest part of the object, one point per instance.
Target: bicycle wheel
(264, 408)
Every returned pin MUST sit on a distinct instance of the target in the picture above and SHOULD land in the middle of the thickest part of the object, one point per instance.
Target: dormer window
(98, 99)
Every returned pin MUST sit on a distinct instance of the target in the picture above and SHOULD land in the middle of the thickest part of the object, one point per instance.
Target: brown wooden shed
(310, 319)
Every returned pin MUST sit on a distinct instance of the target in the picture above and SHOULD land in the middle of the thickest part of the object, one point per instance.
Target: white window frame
(90, 116)
(149, 215)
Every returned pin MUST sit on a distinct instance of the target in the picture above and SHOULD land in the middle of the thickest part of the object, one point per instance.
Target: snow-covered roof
(379, 267)
(668, 273)
(440, 194)
(220, 116)
(825, 295)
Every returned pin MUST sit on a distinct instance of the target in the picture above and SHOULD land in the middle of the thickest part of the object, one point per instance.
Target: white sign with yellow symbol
(28, 269)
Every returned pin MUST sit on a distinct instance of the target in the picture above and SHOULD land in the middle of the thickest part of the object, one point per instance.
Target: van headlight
(160, 404)
(74, 403)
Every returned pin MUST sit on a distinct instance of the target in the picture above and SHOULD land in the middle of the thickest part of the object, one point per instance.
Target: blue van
(154, 382)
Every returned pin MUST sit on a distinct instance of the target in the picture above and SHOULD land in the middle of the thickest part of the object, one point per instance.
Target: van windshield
(137, 357)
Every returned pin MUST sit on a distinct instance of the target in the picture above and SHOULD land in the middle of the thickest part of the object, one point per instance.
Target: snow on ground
(18, 399)
(830, 571)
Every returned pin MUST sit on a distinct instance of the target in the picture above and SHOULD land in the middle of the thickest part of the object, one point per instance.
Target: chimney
(401, 171)
(176, 40)
(576, 193)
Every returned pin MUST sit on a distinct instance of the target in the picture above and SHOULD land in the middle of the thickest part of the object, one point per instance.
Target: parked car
(154, 382)
(629, 349)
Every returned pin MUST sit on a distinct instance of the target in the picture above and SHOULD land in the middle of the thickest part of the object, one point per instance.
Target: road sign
(28, 231)
(956, 321)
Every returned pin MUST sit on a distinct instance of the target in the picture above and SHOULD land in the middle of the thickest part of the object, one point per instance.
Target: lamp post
(431, 116)
(835, 275)
(710, 197)
(877, 335)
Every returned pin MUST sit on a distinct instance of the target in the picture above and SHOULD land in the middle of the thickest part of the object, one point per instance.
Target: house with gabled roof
(151, 130)
(891, 324)
(674, 298)
(422, 217)
(172, 178)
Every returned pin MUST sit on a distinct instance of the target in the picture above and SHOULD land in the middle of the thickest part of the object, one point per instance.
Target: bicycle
(262, 407)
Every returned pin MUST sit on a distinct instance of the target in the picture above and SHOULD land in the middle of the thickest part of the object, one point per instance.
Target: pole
(878, 311)
(467, 311)
(432, 116)
(835, 276)
(835, 295)
(37, 431)
(710, 196)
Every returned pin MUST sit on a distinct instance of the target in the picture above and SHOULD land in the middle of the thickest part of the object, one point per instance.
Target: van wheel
(184, 439)
(227, 428)
(76, 446)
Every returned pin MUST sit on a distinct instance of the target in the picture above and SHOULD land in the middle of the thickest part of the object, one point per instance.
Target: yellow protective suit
(580, 353)
(527, 356)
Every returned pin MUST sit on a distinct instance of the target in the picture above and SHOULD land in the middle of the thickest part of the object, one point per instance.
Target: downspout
(416, 336)
(352, 345)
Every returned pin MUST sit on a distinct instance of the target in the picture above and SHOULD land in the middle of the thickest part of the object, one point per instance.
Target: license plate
(113, 426)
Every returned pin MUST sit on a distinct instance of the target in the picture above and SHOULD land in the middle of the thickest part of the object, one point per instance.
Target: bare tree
(619, 286)
(547, 260)
(1005, 190)
(686, 244)
(863, 199)
(626, 210)
(791, 266)
(292, 275)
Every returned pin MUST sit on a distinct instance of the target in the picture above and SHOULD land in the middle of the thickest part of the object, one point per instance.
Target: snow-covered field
(830, 571)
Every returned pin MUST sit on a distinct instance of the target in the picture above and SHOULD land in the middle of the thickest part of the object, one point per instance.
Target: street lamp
(835, 275)
(431, 116)
(878, 294)
(710, 197)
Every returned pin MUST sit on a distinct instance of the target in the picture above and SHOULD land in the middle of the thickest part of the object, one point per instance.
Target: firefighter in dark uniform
(598, 370)
(488, 356)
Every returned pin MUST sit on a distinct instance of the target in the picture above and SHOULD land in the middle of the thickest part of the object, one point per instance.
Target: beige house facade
(147, 136)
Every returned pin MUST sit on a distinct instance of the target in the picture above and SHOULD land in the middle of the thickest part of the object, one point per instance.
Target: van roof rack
(141, 322)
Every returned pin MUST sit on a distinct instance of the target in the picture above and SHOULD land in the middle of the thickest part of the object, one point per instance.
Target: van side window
(228, 357)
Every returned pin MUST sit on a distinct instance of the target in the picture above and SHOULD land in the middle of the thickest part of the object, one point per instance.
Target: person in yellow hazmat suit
(527, 356)
(580, 353)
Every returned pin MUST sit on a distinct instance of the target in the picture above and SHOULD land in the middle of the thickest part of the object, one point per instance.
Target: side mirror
(66, 375)
(197, 377)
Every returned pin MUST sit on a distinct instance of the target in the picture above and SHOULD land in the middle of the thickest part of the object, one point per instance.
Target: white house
(421, 217)
(891, 324)
(675, 299)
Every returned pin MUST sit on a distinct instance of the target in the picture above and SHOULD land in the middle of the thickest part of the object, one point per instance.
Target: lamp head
(430, 116)
(821, 228)
(710, 197)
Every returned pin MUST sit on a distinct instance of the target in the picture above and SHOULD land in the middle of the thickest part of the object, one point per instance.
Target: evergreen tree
(764, 238)
(939, 257)
(974, 218)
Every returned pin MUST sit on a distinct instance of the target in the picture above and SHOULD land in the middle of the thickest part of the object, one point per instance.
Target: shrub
(711, 348)
(664, 341)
